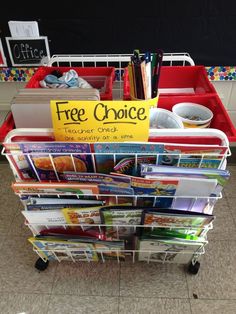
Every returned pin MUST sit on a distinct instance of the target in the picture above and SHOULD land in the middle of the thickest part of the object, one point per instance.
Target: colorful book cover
(154, 187)
(127, 165)
(52, 168)
(166, 249)
(192, 155)
(110, 250)
(119, 219)
(97, 178)
(90, 215)
(55, 188)
(111, 153)
(177, 221)
(63, 250)
(114, 190)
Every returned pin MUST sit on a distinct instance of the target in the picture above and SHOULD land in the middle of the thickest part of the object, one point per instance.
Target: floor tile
(5, 223)
(217, 277)
(232, 206)
(71, 304)
(153, 280)
(95, 278)
(223, 228)
(17, 272)
(230, 188)
(18, 228)
(153, 305)
(213, 306)
(221, 208)
(23, 303)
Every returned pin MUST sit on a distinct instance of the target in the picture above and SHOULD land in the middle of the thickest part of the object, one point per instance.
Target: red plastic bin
(98, 77)
(194, 77)
(6, 127)
(221, 119)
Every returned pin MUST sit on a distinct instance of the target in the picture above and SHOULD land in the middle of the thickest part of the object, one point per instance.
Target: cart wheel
(41, 265)
(194, 268)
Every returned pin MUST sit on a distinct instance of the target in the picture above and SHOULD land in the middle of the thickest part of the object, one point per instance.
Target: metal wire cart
(134, 251)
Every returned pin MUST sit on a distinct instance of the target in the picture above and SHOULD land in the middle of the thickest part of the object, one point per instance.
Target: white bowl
(187, 111)
(164, 119)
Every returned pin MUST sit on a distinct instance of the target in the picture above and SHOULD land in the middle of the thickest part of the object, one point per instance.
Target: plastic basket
(7, 126)
(98, 77)
(220, 120)
(188, 80)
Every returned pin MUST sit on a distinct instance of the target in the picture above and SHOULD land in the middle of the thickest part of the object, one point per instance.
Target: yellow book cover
(84, 215)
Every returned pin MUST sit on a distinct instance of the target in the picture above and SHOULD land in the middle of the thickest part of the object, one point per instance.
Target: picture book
(89, 215)
(166, 249)
(64, 250)
(97, 178)
(44, 219)
(191, 155)
(222, 176)
(131, 165)
(110, 250)
(39, 203)
(51, 167)
(55, 188)
(114, 190)
(109, 154)
(175, 221)
(119, 220)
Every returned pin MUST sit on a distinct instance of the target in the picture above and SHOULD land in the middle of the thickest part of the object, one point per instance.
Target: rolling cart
(168, 136)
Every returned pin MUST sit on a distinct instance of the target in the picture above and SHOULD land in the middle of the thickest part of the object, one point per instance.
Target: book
(174, 222)
(222, 176)
(131, 165)
(38, 203)
(107, 155)
(52, 249)
(90, 215)
(97, 178)
(51, 167)
(119, 219)
(167, 249)
(209, 156)
(55, 188)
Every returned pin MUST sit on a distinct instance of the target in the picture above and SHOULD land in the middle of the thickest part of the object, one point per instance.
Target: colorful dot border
(215, 73)
(221, 73)
(16, 74)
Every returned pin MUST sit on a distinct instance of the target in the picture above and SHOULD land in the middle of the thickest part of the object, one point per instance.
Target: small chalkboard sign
(27, 51)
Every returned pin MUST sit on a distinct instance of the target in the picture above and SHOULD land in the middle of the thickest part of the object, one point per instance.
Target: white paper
(23, 29)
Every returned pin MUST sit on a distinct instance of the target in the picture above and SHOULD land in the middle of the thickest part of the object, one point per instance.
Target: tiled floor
(112, 288)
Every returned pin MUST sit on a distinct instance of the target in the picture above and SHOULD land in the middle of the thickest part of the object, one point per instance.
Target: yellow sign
(100, 121)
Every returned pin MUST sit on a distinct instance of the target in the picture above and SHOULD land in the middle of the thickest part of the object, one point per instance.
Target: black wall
(205, 28)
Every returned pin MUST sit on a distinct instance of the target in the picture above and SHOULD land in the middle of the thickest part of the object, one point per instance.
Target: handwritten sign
(27, 51)
(100, 121)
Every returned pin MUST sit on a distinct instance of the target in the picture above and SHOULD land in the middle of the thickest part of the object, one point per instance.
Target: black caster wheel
(41, 265)
(193, 268)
